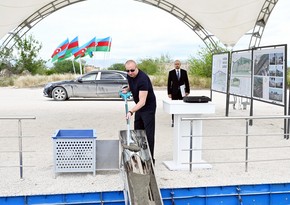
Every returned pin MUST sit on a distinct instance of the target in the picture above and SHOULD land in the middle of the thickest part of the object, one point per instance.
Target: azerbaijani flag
(91, 45)
(103, 44)
(72, 47)
(80, 52)
(94, 44)
(60, 49)
(86, 49)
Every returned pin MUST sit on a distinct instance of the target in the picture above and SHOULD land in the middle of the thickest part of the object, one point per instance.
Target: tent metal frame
(209, 39)
(261, 22)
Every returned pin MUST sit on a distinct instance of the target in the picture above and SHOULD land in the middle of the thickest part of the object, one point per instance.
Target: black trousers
(177, 96)
(146, 121)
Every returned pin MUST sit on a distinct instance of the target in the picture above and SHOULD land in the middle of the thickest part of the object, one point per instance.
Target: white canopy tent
(227, 20)
(14, 12)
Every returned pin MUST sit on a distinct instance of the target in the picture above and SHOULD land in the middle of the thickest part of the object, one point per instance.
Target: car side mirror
(80, 80)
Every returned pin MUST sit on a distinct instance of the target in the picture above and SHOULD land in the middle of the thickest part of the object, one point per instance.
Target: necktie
(178, 76)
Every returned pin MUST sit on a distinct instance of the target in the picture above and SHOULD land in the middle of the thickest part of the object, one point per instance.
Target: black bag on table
(196, 99)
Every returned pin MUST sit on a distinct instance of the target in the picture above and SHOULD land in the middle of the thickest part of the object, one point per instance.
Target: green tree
(202, 66)
(117, 66)
(149, 66)
(164, 58)
(6, 58)
(28, 51)
(162, 61)
(65, 66)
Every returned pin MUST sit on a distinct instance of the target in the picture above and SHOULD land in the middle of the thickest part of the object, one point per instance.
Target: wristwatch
(131, 113)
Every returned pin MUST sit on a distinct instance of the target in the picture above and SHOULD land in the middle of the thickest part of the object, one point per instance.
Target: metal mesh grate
(74, 155)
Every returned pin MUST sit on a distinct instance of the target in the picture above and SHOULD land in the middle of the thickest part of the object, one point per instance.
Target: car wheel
(59, 94)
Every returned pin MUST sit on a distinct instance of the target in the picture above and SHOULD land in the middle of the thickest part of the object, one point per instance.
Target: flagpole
(95, 57)
(109, 48)
(74, 66)
(81, 72)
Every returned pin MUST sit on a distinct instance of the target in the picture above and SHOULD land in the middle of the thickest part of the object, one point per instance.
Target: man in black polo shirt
(144, 97)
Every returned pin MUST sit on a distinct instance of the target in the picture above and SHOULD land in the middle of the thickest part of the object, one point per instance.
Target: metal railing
(20, 137)
(246, 135)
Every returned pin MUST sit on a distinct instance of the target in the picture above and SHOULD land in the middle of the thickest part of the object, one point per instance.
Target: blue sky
(139, 30)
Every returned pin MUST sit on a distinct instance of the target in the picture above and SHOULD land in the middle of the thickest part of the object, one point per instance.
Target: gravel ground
(107, 118)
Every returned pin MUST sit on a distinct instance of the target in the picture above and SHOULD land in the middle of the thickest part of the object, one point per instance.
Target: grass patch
(7, 81)
(30, 81)
(40, 80)
(199, 82)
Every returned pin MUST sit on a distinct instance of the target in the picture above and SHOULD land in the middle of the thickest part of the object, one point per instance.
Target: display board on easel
(241, 73)
(257, 74)
(220, 67)
(269, 74)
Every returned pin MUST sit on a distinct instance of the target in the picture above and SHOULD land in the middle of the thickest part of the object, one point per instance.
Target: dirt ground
(107, 118)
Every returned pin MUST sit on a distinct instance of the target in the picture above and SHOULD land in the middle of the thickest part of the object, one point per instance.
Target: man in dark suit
(177, 84)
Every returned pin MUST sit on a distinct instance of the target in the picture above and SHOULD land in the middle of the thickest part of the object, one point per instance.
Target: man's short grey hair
(130, 61)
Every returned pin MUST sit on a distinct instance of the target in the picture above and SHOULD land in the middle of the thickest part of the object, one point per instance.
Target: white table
(182, 129)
